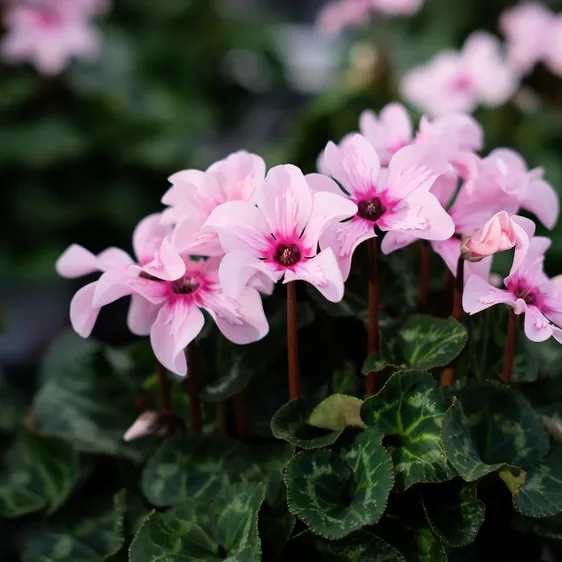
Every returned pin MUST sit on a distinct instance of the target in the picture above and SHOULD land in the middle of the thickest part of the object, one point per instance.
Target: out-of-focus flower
(146, 424)
(48, 33)
(397, 7)
(195, 194)
(457, 82)
(528, 291)
(533, 34)
(397, 199)
(506, 180)
(279, 235)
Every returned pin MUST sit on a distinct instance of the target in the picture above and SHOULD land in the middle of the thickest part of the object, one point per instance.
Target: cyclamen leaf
(38, 473)
(490, 427)
(409, 412)
(454, 512)
(360, 546)
(336, 492)
(222, 525)
(12, 406)
(337, 412)
(275, 528)
(93, 538)
(290, 424)
(541, 493)
(429, 342)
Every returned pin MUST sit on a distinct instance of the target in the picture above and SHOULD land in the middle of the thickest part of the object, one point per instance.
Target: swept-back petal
(141, 315)
(83, 314)
(543, 201)
(148, 236)
(479, 295)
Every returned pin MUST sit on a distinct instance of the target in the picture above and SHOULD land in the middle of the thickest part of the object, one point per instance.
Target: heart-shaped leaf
(93, 536)
(489, 427)
(336, 492)
(429, 342)
(187, 468)
(454, 512)
(290, 423)
(359, 546)
(37, 473)
(222, 526)
(337, 412)
(409, 412)
(541, 493)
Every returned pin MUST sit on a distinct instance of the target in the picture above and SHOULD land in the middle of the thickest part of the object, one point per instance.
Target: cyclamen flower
(460, 81)
(337, 15)
(48, 33)
(397, 7)
(279, 235)
(195, 194)
(397, 199)
(506, 180)
(528, 291)
(533, 33)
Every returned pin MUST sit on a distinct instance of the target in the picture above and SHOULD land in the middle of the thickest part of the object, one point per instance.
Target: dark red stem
(292, 342)
(373, 335)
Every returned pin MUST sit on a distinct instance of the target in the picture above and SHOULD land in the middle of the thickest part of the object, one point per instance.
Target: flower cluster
(229, 233)
(47, 33)
(340, 14)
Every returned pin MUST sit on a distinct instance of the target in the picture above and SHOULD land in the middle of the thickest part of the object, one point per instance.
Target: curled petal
(479, 295)
(148, 236)
(76, 261)
(141, 316)
(83, 314)
(537, 327)
(543, 201)
(143, 426)
(167, 263)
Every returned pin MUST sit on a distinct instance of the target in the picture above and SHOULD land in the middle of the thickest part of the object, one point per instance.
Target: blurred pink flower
(397, 7)
(146, 424)
(279, 235)
(397, 199)
(528, 291)
(48, 33)
(340, 14)
(505, 179)
(455, 82)
(195, 194)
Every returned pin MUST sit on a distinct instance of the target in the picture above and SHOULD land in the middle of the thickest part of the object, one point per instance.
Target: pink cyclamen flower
(505, 179)
(460, 81)
(527, 28)
(340, 14)
(528, 291)
(397, 7)
(279, 235)
(499, 234)
(146, 424)
(48, 33)
(195, 194)
(397, 199)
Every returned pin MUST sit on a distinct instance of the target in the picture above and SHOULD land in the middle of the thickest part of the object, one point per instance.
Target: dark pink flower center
(287, 255)
(186, 285)
(371, 209)
(528, 296)
(48, 19)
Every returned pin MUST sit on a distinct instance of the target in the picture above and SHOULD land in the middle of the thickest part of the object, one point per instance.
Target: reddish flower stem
(194, 404)
(509, 353)
(292, 342)
(373, 334)
(163, 383)
(448, 375)
(425, 256)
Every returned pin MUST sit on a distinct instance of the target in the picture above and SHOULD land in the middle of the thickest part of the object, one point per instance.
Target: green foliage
(409, 412)
(337, 492)
(337, 412)
(359, 546)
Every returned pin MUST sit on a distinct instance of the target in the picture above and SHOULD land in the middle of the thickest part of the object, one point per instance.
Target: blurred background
(85, 154)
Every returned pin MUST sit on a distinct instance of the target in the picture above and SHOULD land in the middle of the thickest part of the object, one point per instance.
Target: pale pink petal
(479, 295)
(354, 164)
(321, 182)
(188, 238)
(285, 201)
(83, 314)
(537, 327)
(323, 272)
(242, 320)
(148, 236)
(155, 292)
(262, 283)
(113, 285)
(445, 187)
(528, 266)
(167, 263)
(193, 190)
(397, 7)
(141, 316)
(240, 226)
(114, 258)
(239, 267)
(414, 168)
(144, 425)
(327, 209)
(178, 323)
(557, 334)
(76, 261)
(344, 238)
(393, 241)
(553, 45)
(452, 132)
(543, 201)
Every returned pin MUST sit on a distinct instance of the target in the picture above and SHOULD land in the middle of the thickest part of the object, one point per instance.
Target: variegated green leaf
(93, 537)
(221, 526)
(336, 492)
(187, 468)
(360, 546)
(541, 493)
(37, 473)
(454, 512)
(347, 381)
(276, 525)
(290, 424)
(409, 412)
(337, 412)
(429, 342)
(489, 427)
